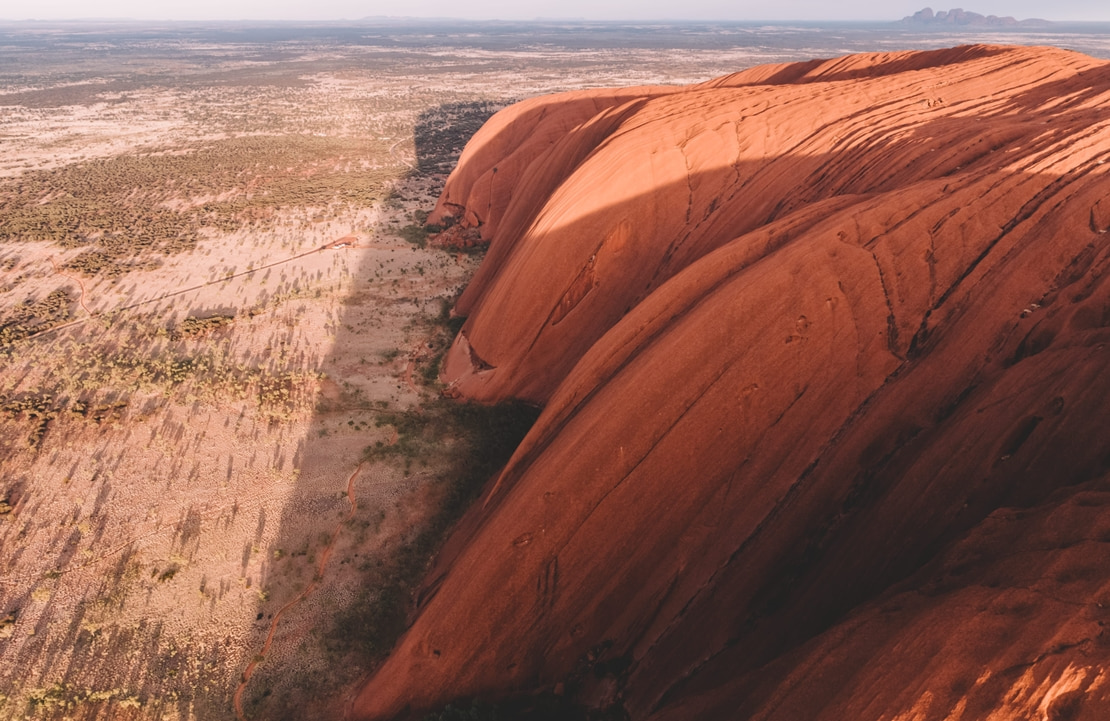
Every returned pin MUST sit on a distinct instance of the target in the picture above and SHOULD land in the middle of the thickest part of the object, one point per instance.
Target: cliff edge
(823, 354)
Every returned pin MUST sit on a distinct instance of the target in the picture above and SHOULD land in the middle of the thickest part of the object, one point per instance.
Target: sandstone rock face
(823, 350)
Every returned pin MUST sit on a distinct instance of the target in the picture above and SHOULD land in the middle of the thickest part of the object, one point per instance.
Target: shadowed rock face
(823, 354)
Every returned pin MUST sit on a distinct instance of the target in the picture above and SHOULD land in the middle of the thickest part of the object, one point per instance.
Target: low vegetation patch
(193, 326)
(35, 316)
(131, 209)
(472, 443)
(96, 380)
(479, 441)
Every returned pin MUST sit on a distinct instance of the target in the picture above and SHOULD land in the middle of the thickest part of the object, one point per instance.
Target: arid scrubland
(220, 325)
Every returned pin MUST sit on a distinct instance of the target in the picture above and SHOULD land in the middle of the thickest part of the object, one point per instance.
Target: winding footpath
(76, 279)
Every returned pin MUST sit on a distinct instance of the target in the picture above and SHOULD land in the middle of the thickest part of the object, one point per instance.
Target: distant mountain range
(960, 18)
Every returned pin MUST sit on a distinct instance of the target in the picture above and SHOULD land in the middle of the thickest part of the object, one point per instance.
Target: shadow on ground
(411, 460)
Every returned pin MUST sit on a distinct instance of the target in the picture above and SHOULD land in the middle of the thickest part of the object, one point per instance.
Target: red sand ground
(823, 350)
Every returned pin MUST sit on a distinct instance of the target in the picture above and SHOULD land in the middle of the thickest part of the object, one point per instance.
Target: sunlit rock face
(823, 351)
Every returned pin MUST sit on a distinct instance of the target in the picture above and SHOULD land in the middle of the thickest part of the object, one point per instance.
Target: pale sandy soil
(147, 550)
(153, 541)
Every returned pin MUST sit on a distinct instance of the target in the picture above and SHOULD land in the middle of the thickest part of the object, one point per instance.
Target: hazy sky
(522, 9)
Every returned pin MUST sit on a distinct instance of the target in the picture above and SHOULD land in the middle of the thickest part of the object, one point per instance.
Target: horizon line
(538, 20)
